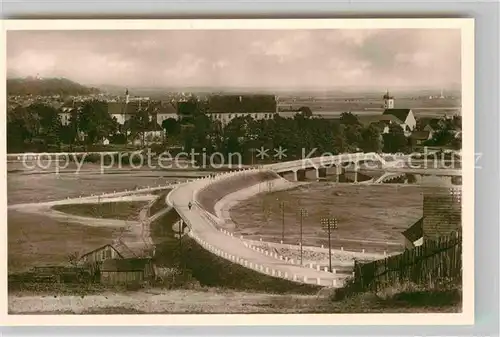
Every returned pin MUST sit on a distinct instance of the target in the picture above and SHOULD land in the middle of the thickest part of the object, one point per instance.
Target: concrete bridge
(448, 176)
(323, 165)
(320, 167)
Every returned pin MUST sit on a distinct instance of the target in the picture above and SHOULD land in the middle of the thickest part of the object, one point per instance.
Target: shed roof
(399, 113)
(120, 248)
(420, 135)
(124, 265)
(414, 232)
(430, 121)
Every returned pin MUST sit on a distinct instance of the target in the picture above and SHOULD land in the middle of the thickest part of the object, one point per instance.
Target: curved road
(203, 229)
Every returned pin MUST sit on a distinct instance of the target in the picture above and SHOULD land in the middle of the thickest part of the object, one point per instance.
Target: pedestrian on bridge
(190, 205)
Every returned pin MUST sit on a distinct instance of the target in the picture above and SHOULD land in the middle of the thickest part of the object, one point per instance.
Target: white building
(406, 117)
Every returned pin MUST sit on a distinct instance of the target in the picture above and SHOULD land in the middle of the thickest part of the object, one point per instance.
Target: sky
(288, 59)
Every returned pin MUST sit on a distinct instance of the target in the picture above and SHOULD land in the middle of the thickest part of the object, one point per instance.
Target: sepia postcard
(238, 172)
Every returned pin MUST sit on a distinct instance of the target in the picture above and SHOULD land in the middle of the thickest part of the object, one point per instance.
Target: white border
(466, 317)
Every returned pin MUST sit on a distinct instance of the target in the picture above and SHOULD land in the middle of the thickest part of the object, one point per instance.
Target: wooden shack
(126, 271)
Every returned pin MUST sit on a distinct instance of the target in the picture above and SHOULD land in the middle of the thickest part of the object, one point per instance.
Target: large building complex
(227, 107)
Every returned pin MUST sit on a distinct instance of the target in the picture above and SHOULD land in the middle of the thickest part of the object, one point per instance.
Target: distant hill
(47, 87)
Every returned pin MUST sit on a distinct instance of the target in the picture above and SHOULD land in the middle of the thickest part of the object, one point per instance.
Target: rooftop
(399, 113)
(414, 232)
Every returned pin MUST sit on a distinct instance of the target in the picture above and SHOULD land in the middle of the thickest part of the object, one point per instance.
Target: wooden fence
(432, 262)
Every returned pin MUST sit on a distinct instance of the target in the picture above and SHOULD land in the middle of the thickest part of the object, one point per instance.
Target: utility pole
(282, 206)
(181, 225)
(303, 213)
(329, 224)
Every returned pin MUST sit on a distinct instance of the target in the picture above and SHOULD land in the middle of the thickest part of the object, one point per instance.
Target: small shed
(126, 271)
(414, 234)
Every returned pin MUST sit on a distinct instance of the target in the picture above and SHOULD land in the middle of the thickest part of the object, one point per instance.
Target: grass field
(368, 216)
(128, 210)
(40, 240)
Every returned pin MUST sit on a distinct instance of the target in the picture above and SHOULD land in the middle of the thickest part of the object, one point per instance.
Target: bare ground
(216, 301)
(370, 217)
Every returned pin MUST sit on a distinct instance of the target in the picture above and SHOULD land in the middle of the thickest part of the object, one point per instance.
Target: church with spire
(388, 101)
(404, 117)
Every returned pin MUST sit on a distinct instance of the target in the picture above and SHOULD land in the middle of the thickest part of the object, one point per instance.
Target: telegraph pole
(329, 224)
(181, 225)
(303, 213)
(282, 206)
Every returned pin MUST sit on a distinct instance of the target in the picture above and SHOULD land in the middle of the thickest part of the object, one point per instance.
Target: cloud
(239, 58)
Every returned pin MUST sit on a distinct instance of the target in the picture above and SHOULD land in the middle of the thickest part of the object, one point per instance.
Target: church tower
(127, 97)
(388, 101)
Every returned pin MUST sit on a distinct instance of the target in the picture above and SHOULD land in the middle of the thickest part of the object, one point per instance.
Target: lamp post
(303, 213)
(329, 224)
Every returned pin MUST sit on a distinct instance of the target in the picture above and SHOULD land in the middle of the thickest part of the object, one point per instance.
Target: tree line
(196, 131)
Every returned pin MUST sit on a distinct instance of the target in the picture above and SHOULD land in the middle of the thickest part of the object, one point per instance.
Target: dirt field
(24, 188)
(39, 240)
(35, 240)
(213, 300)
(369, 217)
(109, 210)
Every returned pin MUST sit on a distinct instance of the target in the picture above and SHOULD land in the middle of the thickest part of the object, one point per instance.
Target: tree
(171, 126)
(305, 111)
(348, 119)
(95, 121)
(371, 139)
(49, 122)
(73, 258)
(139, 123)
(22, 127)
(395, 140)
